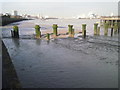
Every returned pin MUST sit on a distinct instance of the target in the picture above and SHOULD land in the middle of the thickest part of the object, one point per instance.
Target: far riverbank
(6, 20)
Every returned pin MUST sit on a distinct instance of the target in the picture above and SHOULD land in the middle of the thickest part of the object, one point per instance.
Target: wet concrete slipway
(64, 62)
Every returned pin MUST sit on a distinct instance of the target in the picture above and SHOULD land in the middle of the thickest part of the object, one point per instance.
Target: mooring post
(118, 27)
(98, 30)
(95, 28)
(72, 34)
(15, 32)
(106, 29)
(111, 31)
(105, 21)
(115, 27)
(48, 36)
(108, 22)
(70, 27)
(84, 30)
(111, 23)
(55, 29)
(38, 32)
(84, 33)
(12, 34)
(100, 22)
(70, 30)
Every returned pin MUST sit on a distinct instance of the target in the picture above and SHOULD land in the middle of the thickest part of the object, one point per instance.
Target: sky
(59, 1)
(61, 8)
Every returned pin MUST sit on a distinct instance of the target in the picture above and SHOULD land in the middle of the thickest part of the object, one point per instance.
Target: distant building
(15, 13)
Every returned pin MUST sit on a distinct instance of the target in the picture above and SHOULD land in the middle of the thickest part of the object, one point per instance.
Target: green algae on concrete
(15, 32)
(15, 28)
(48, 36)
(38, 32)
(73, 31)
(55, 29)
(70, 27)
(70, 30)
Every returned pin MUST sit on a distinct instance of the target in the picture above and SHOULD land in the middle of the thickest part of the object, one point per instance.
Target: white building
(15, 13)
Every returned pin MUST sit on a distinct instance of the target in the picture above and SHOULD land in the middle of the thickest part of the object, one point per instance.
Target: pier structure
(110, 20)
(113, 22)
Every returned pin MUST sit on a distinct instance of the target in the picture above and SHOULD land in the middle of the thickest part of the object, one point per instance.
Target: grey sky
(61, 9)
(59, 0)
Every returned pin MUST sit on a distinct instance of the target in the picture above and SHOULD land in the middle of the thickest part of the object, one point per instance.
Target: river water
(63, 62)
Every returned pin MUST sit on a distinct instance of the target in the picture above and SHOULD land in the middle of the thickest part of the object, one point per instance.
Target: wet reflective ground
(65, 63)
(75, 63)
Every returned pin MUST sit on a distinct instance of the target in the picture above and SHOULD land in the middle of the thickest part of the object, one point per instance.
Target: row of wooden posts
(15, 31)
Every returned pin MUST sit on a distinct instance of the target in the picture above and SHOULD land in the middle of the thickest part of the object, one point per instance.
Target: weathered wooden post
(106, 29)
(48, 36)
(98, 31)
(15, 32)
(108, 22)
(12, 34)
(70, 30)
(38, 32)
(72, 33)
(104, 21)
(95, 28)
(101, 22)
(118, 27)
(111, 23)
(111, 31)
(55, 29)
(115, 27)
(84, 30)
(70, 27)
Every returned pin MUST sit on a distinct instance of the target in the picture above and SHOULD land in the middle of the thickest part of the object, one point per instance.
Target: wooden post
(108, 22)
(115, 27)
(106, 29)
(95, 28)
(70, 27)
(118, 27)
(100, 22)
(111, 23)
(84, 30)
(98, 31)
(70, 30)
(72, 34)
(48, 36)
(15, 32)
(55, 29)
(111, 31)
(105, 21)
(12, 34)
(84, 33)
(38, 32)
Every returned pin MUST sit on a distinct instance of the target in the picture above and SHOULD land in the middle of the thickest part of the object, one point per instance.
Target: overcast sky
(60, 0)
(65, 8)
